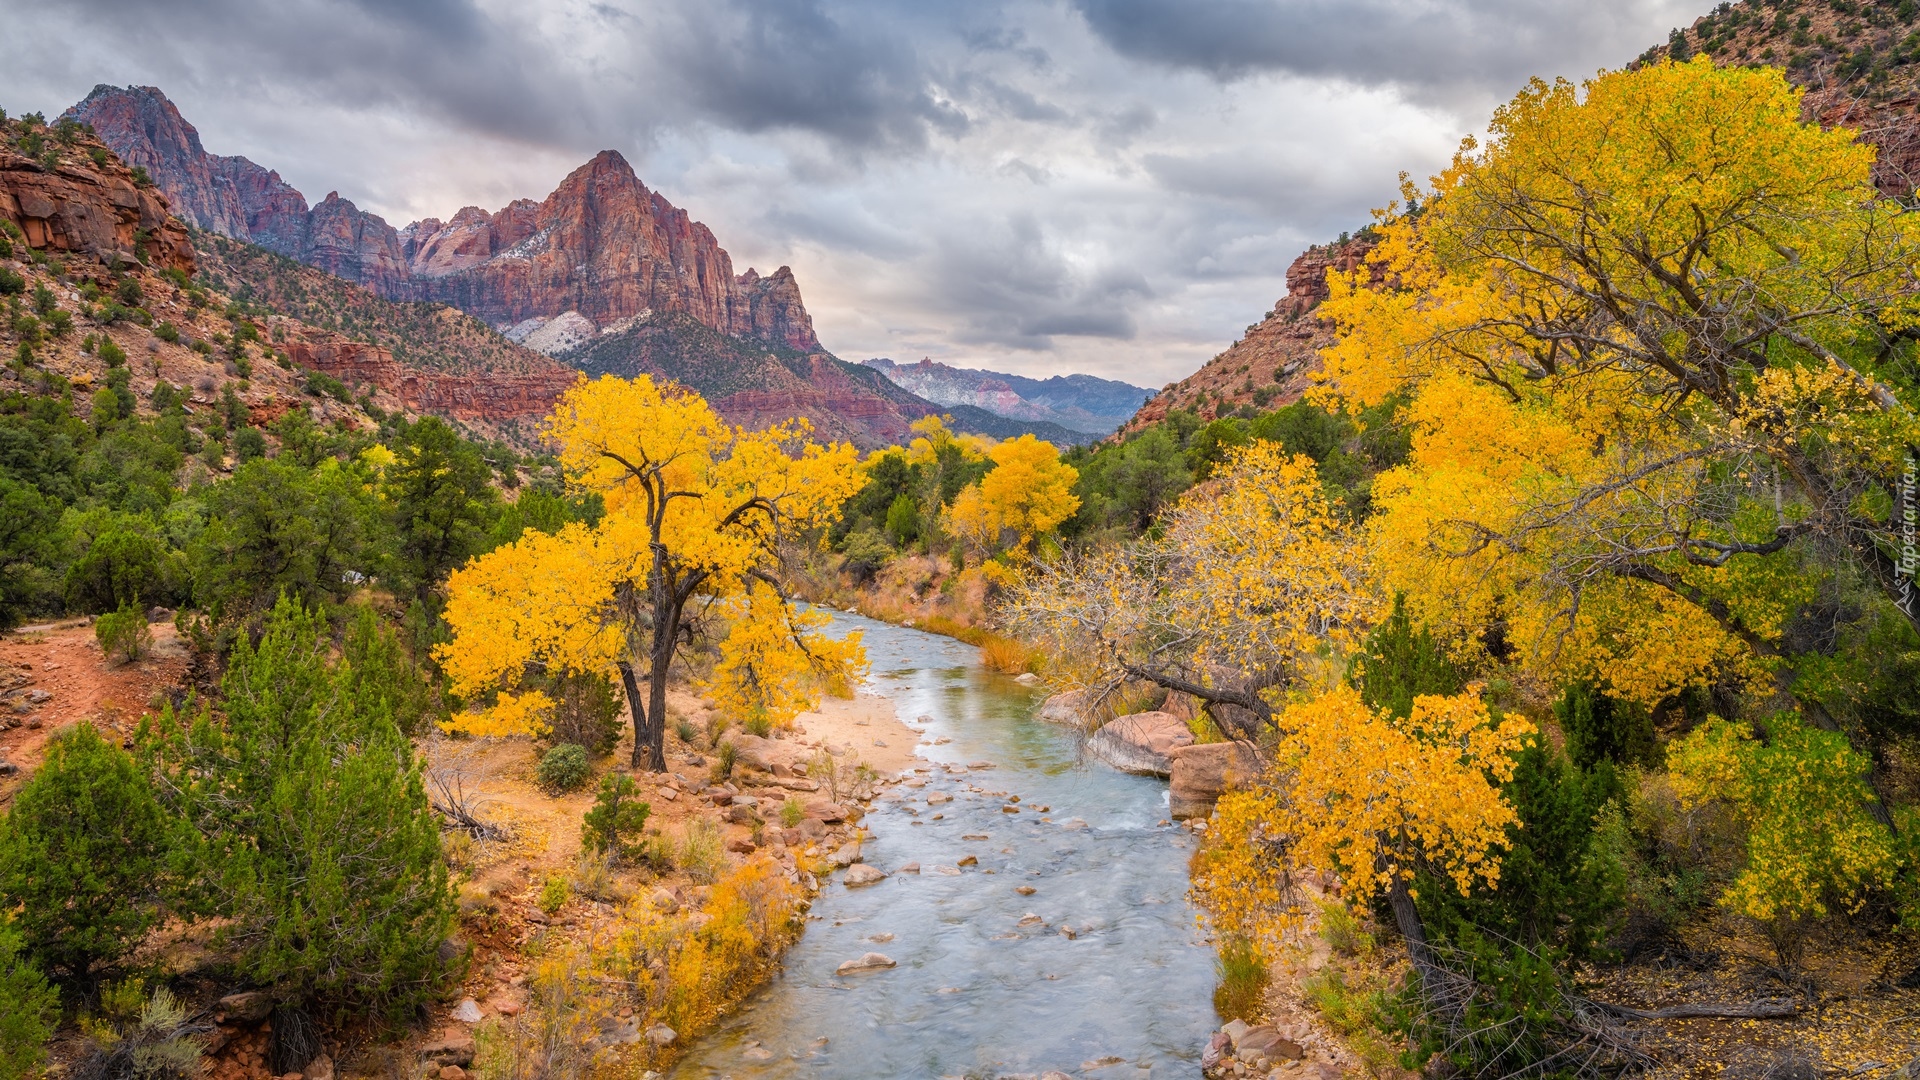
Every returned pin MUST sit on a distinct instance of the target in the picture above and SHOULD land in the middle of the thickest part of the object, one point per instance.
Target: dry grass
(1010, 657)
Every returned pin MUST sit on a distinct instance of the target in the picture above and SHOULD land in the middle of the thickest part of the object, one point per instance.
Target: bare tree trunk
(1406, 917)
(664, 632)
(638, 709)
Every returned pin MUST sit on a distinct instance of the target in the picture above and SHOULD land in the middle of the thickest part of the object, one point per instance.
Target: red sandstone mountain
(601, 244)
(62, 202)
(1274, 363)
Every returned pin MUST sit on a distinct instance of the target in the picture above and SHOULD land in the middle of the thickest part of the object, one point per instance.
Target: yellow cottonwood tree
(1250, 577)
(1366, 795)
(695, 507)
(773, 662)
(1028, 493)
(1647, 340)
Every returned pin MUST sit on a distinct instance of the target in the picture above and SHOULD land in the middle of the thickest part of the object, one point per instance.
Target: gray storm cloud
(1114, 186)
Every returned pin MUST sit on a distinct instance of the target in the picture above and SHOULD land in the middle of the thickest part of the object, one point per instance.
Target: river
(1100, 972)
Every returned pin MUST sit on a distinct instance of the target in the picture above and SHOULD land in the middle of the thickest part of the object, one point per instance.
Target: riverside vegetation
(1568, 616)
(277, 865)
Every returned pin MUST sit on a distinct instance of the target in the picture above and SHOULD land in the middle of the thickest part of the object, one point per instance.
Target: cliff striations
(601, 245)
(67, 195)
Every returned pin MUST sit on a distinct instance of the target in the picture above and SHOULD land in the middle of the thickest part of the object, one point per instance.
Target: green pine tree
(317, 838)
(81, 855)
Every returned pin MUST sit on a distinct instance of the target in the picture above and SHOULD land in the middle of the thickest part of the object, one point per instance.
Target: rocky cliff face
(1274, 363)
(1859, 62)
(66, 202)
(601, 245)
(234, 197)
(493, 398)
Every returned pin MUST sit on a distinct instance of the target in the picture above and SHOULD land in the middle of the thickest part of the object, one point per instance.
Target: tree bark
(1406, 917)
(635, 706)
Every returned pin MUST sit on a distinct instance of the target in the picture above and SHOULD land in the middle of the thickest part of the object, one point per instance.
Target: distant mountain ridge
(601, 245)
(1081, 403)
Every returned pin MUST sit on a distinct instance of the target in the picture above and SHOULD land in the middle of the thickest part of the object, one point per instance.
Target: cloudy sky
(1039, 186)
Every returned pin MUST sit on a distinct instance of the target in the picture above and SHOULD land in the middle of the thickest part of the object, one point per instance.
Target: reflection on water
(1102, 962)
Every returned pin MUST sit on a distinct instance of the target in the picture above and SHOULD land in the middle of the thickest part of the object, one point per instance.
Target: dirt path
(54, 675)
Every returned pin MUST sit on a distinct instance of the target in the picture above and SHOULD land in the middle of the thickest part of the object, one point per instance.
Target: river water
(1103, 963)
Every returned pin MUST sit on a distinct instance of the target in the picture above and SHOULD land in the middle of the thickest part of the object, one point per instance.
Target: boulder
(320, 1068)
(1140, 742)
(1201, 774)
(828, 812)
(1067, 708)
(468, 1011)
(846, 855)
(763, 754)
(661, 1035)
(861, 874)
(872, 961)
(246, 1007)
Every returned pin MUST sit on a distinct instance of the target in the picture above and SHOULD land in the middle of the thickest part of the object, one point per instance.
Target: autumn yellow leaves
(697, 511)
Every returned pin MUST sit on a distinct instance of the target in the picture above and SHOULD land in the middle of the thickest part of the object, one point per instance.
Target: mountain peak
(600, 245)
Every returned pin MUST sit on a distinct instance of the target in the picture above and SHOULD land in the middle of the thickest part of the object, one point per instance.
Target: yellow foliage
(774, 663)
(695, 506)
(1362, 793)
(1804, 799)
(1251, 576)
(1612, 328)
(1028, 493)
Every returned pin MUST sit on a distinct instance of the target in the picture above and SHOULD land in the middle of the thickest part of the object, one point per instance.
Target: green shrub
(27, 1008)
(686, 730)
(725, 756)
(341, 893)
(563, 768)
(124, 633)
(129, 292)
(1599, 728)
(614, 824)
(586, 711)
(903, 520)
(82, 854)
(110, 353)
(757, 724)
(792, 813)
(249, 444)
(168, 333)
(11, 283)
(1242, 991)
(555, 894)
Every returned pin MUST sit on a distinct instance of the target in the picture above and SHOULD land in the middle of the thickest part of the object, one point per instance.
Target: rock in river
(872, 961)
(861, 874)
(1141, 742)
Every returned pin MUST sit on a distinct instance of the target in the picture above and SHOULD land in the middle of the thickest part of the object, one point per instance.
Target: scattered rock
(756, 1053)
(742, 845)
(910, 868)
(451, 1072)
(947, 871)
(39, 697)
(970, 860)
(828, 812)
(1140, 742)
(862, 874)
(661, 1035)
(453, 1047)
(467, 1012)
(669, 794)
(321, 1068)
(846, 855)
(979, 765)
(1030, 919)
(872, 961)
(880, 939)
(1009, 809)
(1026, 890)
(664, 900)
(1027, 678)
(938, 798)
(1102, 1062)
(8, 768)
